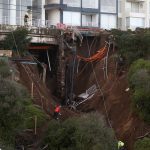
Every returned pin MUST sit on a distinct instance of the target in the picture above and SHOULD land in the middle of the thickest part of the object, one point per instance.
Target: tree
(17, 40)
(88, 132)
(143, 144)
(139, 81)
(133, 44)
(16, 110)
(13, 99)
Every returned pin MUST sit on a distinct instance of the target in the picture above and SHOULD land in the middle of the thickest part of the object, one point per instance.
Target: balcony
(55, 6)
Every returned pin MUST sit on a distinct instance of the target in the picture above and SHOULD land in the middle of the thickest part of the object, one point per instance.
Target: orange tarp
(98, 56)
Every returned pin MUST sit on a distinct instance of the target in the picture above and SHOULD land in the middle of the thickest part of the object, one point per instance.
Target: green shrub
(30, 113)
(88, 132)
(13, 98)
(143, 144)
(139, 64)
(133, 44)
(139, 81)
(16, 111)
(4, 70)
(18, 37)
(141, 103)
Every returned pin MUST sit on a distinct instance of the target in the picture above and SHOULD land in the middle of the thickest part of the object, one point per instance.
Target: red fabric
(98, 56)
(57, 109)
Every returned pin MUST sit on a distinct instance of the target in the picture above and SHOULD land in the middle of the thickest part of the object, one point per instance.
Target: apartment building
(133, 14)
(82, 13)
(12, 11)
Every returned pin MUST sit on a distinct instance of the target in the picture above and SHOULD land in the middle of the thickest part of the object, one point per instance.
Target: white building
(12, 11)
(133, 13)
(82, 13)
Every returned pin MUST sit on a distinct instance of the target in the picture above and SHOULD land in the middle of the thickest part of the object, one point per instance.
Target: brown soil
(127, 125)
(118, 112)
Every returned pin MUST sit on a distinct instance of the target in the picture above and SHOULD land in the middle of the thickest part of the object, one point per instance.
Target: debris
(127, 89)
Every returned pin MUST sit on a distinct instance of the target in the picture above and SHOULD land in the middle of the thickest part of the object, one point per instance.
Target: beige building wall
(133, 14)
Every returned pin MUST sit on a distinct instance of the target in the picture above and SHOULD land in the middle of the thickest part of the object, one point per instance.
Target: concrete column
(1, 13)
(43, 13)
(146, 8)
(123, 8)
(12, 12)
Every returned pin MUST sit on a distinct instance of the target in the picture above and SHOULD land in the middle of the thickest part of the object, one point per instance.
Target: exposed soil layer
(116, 106)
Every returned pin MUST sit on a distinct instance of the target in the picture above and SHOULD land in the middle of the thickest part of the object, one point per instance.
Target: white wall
(108, 21)
(138, 11)
(90, 4)
(53, 17)
(52, 1)
(72, 18)
(43, 14)
(73, 3)
(12, 12)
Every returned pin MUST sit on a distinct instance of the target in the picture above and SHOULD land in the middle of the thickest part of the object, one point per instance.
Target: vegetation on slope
(139, 80)
(142, 144)
(88, 132)
(135, 47)
(17, 40)
(16, 109)
(133, 44)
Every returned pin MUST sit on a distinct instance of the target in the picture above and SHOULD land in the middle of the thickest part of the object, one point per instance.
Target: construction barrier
(98, 56)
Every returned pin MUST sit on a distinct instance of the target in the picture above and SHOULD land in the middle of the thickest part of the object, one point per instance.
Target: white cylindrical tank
(12, 16)
(1, 12)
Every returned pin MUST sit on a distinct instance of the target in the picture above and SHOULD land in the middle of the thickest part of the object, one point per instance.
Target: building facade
(13, 11)
(133, 14)
(82, 13)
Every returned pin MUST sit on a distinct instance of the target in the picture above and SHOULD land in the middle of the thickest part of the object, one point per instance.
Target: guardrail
(19, 21)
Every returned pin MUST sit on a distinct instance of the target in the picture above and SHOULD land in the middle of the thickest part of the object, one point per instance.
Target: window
(137, 22)
(73, 3)
(108, 6)
(90, 4)
(108, 21)
(72, 18)
(137, 7)
(90, 20)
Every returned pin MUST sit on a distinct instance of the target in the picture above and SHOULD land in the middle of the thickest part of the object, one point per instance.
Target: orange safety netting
(98, 56)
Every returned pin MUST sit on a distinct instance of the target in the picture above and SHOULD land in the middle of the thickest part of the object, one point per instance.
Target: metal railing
(19, 21)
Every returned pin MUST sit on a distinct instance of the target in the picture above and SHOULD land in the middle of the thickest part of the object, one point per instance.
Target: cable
(83, 69)
(99, 86)
(105, 107)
